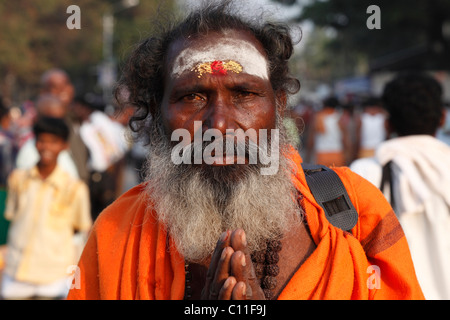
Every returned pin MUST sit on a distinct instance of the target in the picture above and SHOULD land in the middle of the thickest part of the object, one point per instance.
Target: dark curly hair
(142, 82)
(414, 103)
(55, 126)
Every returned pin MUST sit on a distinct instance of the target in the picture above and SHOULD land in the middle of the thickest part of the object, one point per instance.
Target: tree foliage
(404, 23)
(407, 27)
(34, 37)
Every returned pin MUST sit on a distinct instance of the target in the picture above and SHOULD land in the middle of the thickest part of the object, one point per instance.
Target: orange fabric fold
(130, 256)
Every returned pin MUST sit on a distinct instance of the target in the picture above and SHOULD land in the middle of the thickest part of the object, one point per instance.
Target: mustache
(226, 145)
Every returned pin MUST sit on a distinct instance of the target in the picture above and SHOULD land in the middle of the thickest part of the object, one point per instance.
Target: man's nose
(218, 116)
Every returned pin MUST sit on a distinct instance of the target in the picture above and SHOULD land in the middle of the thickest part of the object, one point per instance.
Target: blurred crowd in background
(332, 129)
(337, 132)
(100, 150)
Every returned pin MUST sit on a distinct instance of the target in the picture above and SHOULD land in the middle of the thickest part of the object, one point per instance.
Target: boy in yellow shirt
(45, 206)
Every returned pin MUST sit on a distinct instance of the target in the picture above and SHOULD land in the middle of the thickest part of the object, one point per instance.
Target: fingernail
(224, 254)
(244, 239)
(224, 236)
(227, 283)
(243, 261)
(244, 290)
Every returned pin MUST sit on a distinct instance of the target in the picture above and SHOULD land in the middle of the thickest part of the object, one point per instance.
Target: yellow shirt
(44, 214)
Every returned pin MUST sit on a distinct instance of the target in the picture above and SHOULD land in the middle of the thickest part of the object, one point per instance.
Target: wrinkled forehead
(238, 55)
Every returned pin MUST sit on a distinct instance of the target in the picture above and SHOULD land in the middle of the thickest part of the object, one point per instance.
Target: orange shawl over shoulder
(129, 255)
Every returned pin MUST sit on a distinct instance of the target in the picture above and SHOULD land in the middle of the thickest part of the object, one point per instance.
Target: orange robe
(130, 256)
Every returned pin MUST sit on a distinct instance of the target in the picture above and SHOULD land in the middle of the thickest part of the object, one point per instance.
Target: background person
(8, 151)
(107, 145)
(370, 128)
(46, 106)
(57, 82)
(328, 139)
(45, 206)
(413, 169)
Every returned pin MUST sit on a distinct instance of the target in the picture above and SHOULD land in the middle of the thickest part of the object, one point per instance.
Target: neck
(46, 169)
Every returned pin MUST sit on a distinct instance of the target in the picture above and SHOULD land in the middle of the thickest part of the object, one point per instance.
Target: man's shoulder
(18, 174)
(368, 200)
(361, 191)
(125, 208)
(358, 186)
(124, 219)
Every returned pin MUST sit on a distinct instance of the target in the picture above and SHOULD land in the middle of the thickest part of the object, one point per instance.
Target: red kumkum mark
(218, 68)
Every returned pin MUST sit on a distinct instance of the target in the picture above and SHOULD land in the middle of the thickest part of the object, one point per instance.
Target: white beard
(197, 204)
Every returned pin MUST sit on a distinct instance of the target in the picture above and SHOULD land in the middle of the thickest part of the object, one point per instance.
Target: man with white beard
(214, 224)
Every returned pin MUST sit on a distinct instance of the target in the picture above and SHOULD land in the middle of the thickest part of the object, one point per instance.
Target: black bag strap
(386, 178)
(330, 193)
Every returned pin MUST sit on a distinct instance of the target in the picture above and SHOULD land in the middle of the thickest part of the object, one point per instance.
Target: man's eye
(192, 97)
(246, 94)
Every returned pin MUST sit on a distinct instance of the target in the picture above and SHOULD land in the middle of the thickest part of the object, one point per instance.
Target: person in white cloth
(413, 170)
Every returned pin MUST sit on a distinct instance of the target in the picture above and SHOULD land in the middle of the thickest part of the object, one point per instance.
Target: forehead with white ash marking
(224, 49)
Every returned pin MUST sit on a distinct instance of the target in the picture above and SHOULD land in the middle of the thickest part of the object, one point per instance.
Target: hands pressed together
(231, 274)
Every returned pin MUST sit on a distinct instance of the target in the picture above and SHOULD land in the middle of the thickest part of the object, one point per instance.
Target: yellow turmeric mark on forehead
(218, 67)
